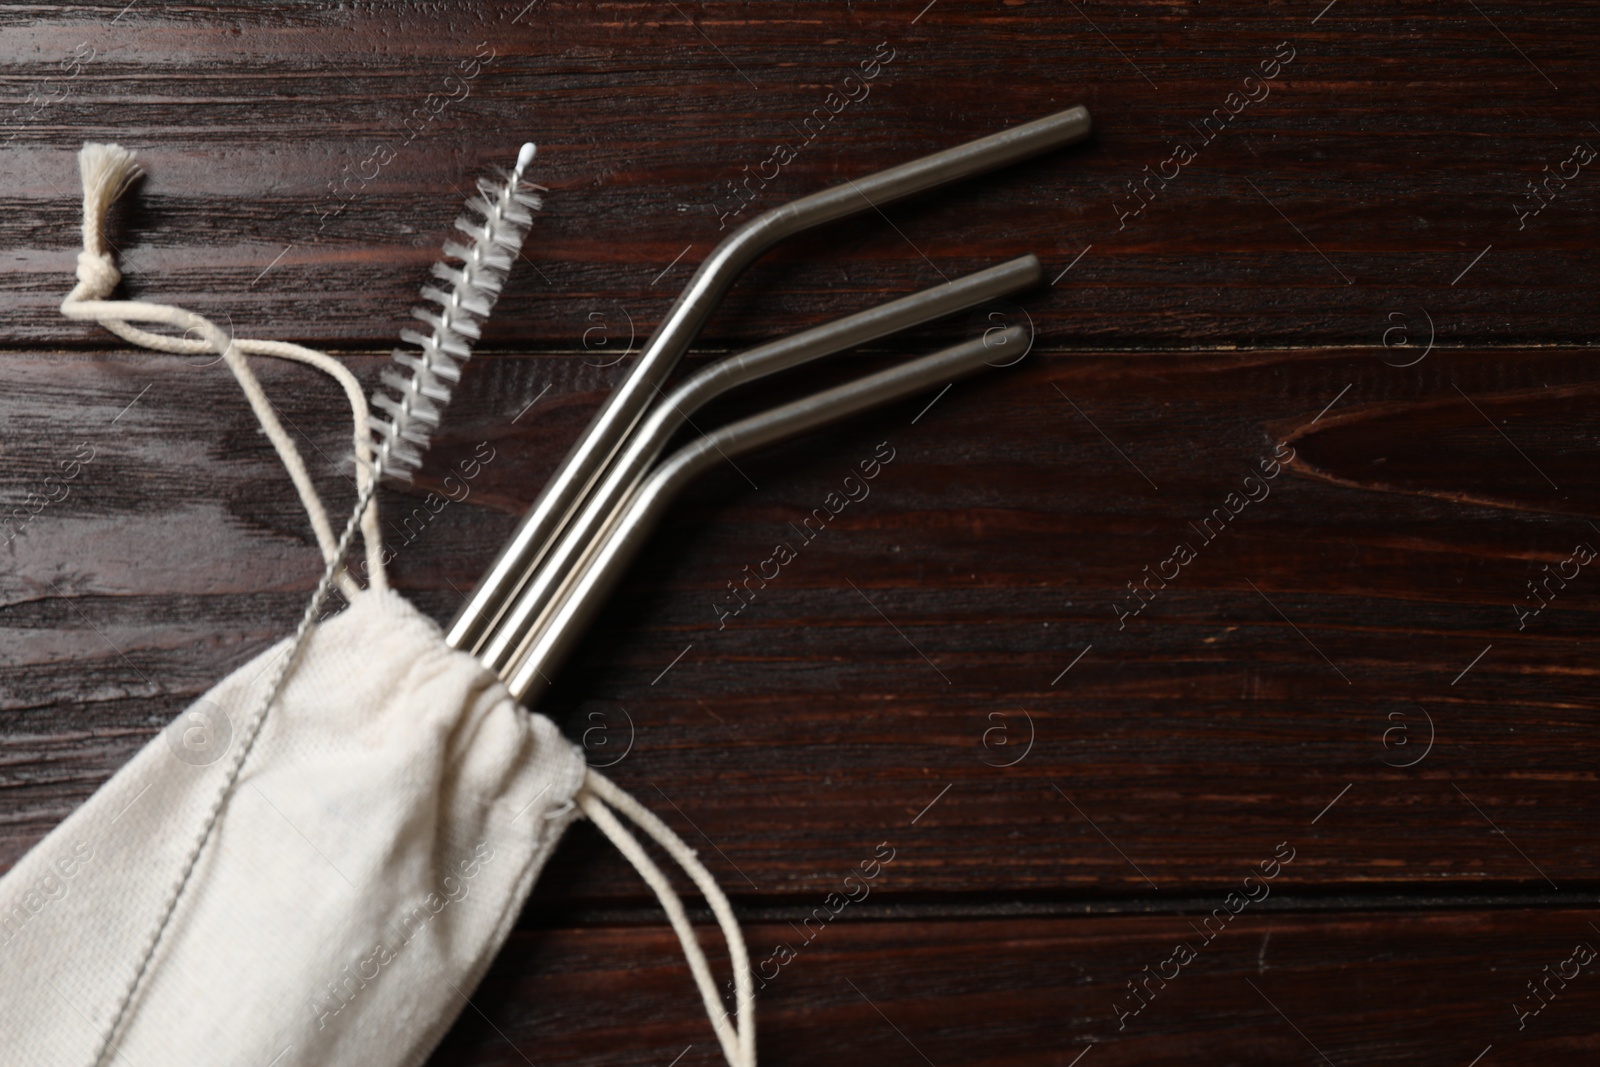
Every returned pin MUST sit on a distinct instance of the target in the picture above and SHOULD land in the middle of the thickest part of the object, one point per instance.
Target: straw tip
(525, 156)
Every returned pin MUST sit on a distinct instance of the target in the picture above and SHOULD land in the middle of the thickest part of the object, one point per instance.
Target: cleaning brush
(502, 212)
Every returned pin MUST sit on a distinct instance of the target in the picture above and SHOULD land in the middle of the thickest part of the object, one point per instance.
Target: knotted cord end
(97, 276)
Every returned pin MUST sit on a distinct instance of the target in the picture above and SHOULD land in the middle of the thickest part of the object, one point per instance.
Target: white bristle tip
(525, 156)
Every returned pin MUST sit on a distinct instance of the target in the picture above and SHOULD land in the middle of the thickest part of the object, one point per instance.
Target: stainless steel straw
(561, 626)
(669, 415)
(585, 464)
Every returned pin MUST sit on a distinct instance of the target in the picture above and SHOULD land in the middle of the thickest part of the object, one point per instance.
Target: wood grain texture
(1273, 987)
(1378, 653)
(1392, 149)
(919, 638)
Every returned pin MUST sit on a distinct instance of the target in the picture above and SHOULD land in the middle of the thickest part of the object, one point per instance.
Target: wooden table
(1321, 312)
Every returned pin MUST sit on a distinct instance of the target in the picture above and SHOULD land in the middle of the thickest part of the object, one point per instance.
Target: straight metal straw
(561, 626)
(584, 465)
(672, 413)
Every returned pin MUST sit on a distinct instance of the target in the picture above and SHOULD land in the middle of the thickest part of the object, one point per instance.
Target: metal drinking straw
(586, 463)
(544, 647)
(670, 414)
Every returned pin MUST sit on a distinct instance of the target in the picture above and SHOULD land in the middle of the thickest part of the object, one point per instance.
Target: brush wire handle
(418, 386)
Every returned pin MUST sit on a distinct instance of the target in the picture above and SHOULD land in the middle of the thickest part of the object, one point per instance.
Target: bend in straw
(675, 410)
(561, 626)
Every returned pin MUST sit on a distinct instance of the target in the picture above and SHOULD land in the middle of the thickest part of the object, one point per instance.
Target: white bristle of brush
(418, 386)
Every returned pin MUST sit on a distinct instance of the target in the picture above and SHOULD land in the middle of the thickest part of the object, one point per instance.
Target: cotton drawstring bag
(315, 862)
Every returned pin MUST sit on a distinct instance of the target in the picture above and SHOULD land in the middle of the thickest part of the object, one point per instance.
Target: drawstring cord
(107, 170)
(593, 798)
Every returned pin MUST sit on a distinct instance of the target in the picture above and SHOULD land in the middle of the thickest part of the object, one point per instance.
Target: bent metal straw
(550, 638)
(605, 436)
(676, 410)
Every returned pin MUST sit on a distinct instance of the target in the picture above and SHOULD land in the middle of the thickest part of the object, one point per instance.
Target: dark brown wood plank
(1276, 690)
(1381, 665)
(1384, 171)
(1271, 986)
